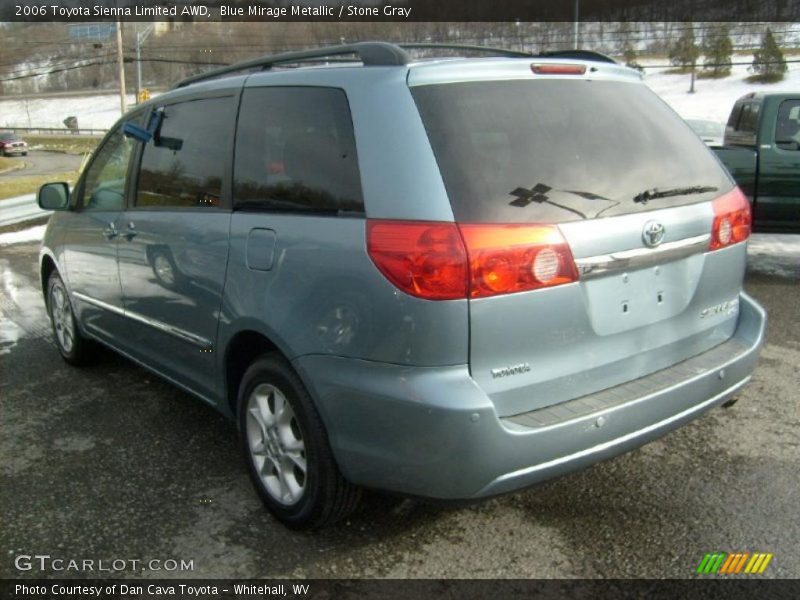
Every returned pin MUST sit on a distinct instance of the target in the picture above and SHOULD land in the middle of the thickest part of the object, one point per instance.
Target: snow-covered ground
(32, 234)
(93, 112)
(713, 98)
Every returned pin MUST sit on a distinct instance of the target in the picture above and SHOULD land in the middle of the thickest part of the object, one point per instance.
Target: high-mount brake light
(446, 261)
(732, 219)
(558, 69)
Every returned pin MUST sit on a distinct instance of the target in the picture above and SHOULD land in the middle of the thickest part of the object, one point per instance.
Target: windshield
(561, 150)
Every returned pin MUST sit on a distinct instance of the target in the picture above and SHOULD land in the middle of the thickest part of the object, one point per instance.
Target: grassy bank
(18, 186)
(9, 164)
(68, 144)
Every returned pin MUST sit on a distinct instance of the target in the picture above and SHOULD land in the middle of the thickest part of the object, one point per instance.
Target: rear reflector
(732, 219)
(557, 69)
(445, 261)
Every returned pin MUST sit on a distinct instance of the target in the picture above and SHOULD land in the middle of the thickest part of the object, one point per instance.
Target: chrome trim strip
(595, 266)
(161, 326)
(99, 303)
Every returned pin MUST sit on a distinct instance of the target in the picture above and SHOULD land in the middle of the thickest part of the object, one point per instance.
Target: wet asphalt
(109, 462)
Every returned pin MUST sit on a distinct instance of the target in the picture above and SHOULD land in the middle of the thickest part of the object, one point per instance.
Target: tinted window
(733, 118)
(787, 128)
(104, 183)
(183, 165)
(749, 120)
(295, 151)
(556, 150)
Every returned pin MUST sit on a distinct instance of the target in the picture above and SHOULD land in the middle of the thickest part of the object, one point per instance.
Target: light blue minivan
(446, 278)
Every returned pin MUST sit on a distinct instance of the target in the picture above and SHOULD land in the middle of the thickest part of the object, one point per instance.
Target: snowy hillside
(712, 99)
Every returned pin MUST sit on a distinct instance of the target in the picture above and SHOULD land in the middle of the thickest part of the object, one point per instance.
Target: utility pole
(141, 36)
(577, 18)
(122, 100)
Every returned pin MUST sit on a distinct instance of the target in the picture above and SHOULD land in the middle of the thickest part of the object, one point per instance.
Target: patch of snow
(32, 234)
(774, 254)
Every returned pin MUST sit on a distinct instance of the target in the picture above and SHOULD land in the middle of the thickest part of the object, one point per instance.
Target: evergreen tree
(717, 50)
(768, 62)
(685, 50)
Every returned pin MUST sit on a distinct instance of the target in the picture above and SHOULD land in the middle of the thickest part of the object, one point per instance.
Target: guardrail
(55, 131)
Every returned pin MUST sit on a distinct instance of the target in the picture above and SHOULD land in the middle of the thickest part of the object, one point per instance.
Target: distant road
(44, 163)
(19, 210)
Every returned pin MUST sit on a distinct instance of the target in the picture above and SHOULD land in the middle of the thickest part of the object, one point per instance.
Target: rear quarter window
(296, 152)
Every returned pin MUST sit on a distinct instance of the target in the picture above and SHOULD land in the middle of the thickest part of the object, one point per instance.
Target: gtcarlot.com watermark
(44, 563)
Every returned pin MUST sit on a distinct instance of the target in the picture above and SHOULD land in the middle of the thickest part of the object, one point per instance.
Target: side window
(787, 128)
(104, 184)
(295, 151)
(733, 119)
(183, 165)
(749, 120)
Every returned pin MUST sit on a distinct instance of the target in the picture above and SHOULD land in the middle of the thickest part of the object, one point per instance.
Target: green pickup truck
(761, 149)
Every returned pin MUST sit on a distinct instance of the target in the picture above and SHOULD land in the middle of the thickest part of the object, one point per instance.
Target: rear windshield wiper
(654, 194)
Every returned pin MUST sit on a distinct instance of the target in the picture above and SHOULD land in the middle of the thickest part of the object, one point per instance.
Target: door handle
(130, 232)
(110, 231)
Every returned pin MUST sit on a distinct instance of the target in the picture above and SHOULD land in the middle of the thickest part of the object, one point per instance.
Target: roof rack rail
(382, 54)
(578, 55)
(468, 48)
(370, 54)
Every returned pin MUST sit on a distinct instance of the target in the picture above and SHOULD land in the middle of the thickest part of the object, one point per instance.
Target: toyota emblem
(653, 234)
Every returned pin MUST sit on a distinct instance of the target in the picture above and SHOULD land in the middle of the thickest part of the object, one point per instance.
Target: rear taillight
(445, 261)
(504, 259)
(731, 219)
(424, 259)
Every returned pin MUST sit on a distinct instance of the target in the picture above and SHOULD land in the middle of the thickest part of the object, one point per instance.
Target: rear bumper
(432, 432)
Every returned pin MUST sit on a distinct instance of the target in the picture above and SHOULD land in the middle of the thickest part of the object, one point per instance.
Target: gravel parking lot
(110, 462)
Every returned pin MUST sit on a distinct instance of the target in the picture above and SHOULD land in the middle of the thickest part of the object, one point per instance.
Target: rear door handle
(130, 232)
(110, 231)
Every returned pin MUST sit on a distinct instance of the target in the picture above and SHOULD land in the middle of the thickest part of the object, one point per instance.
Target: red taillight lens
(732, 219)
(557, 69)
(504, 259)
(445, 261)
(424, 259)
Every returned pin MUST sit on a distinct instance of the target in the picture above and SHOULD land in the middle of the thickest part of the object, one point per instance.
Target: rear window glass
(554, 151)
(749, 119)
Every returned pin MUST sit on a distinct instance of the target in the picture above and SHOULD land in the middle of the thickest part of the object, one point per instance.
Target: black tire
(81, 351)
(326, 497)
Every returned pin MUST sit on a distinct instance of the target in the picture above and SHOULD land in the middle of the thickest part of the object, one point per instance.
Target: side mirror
(53, 196)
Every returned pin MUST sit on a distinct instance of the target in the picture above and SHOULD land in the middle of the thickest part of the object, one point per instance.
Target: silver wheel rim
(62, 318)
(276, 444)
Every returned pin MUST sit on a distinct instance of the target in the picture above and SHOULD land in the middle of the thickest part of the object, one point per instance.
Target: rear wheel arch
(242, 350)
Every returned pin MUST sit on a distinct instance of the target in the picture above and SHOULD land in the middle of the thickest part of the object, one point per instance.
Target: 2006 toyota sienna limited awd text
(446, 278)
